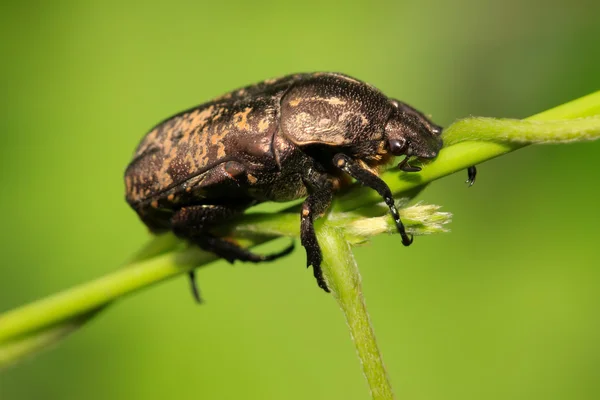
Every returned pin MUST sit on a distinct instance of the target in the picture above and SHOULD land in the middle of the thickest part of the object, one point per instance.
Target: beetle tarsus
(194, 287)
(231, 251)
(472, 174)
(321, 194)
(244, 255)
(406, 167)
(313, 251)
(367, 178)
(318, 272)
(194, 223)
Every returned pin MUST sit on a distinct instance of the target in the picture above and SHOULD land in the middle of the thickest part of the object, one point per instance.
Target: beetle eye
(398, 146)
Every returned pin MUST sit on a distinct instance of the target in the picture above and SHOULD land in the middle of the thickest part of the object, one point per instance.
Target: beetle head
(408, 132)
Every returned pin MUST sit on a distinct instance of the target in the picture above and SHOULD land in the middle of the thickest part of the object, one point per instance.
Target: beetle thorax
(334, 111)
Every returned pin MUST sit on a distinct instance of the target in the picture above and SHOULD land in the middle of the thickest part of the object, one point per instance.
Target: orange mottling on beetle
(263, 124)
(241, 119)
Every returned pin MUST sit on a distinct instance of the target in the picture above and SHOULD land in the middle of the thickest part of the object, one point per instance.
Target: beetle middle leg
(367, 178)
(194, 224)
(320, 189)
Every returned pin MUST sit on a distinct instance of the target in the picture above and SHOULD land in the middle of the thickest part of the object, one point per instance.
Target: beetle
(282, 139)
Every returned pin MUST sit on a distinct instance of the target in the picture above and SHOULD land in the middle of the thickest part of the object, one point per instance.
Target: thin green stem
(27, 345)
(155, 263)
(341, 272)
(91, 296)
(523, 131)
(160, 260)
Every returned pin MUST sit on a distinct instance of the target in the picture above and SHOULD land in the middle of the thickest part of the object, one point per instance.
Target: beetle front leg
(320, 190)
(367, 178)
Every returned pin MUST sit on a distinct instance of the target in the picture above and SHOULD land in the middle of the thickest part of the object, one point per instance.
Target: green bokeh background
(504, 307)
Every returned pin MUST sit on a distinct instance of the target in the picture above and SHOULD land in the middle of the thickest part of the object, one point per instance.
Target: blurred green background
(505, 306)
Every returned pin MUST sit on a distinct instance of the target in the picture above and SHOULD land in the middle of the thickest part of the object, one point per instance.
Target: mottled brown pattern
(322, 110)
(190, 142)
(238, 124)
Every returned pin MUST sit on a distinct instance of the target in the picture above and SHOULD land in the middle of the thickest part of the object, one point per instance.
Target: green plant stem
(341, 273)
(523, 131)
(24, 346)
(152, 265)
(157, 262)
(99, 292)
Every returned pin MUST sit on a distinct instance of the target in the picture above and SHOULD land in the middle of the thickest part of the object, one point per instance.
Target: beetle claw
(314, 258)
(409, 168)
(402, 164)
(406, 167)
(472, 174)
(407, 240)
(194, 287)
(318, 273)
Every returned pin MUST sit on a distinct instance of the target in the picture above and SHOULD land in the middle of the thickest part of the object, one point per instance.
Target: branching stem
(468, 142)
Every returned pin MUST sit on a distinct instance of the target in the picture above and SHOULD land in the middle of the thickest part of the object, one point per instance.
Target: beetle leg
(367, 178)
(406, 167)
(194, 223)
(194, 286)
(472, 173)
(320, 190)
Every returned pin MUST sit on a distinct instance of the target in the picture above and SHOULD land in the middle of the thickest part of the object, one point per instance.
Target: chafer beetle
(278, 140)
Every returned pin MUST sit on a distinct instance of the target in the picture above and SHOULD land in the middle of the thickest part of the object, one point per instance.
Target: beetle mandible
(297, 136)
